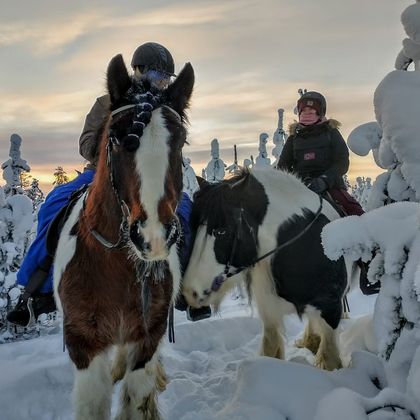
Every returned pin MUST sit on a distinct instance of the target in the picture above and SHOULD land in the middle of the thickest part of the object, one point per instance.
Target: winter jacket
(37, 252)
(95, 119)
(315, 150)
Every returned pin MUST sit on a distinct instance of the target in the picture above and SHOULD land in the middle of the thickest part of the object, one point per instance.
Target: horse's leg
(327, 357)
(119, 364)
(144, 377)
(93, 389)
(272, 342)
(270, 309)
(310, 339)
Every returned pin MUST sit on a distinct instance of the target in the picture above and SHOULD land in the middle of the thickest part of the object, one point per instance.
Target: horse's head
(141, 152)
(225, 220)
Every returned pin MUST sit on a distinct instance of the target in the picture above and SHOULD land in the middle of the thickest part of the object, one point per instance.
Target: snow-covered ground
(214, 370)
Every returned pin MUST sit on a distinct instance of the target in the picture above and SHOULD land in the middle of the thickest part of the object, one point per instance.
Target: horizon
(248, 63)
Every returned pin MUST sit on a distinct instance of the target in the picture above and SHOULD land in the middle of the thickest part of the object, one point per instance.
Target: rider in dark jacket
(317, 153)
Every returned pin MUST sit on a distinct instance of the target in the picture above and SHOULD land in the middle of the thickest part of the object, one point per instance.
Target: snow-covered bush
(16, 230)
(361, 190)
(395, 138)
(390, 237)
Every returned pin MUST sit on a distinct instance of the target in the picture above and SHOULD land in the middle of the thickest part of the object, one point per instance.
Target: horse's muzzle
(154, 244)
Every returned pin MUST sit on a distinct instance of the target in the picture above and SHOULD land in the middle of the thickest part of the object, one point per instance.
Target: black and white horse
(238, 221)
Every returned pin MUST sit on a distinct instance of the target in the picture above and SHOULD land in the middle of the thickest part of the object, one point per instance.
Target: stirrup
(32, 320)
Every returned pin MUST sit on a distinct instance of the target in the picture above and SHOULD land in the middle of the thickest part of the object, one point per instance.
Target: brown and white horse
(116, 270)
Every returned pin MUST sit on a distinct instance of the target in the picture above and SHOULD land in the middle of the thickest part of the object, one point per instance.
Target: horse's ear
(201, 181)
(118, 79)
(179, 92)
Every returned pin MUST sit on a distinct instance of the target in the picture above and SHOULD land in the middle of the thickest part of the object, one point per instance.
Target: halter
(230, 271)
(142, 117)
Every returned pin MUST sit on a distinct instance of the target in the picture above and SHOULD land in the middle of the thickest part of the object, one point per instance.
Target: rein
(140, 124)
(229, 271)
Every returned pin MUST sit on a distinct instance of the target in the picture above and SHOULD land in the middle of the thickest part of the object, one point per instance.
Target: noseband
(142, 115)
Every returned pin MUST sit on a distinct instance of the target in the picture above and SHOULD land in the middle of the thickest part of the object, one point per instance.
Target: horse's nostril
(207, 292)
(195, 295)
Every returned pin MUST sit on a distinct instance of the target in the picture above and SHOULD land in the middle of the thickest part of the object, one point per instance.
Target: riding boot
(40, 303)
(365, 285)
(196, 314)
(193, 314)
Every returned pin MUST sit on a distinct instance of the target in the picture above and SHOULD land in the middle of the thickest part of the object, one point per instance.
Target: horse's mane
(213, 203)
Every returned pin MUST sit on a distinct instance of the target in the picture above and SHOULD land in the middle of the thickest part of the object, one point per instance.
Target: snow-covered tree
(16, 222)
(262, 160)
(247, 163)
(35, 194)
(14, 167)
(190, 183)
(279, 138)
(18, 207)
(395, 138)
(390, 236)
(60, 176)
(25, 180)
(234, 167)
(361, 190)
(215, 170)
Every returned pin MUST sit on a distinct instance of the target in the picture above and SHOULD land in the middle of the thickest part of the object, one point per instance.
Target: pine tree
(35, 194)
(25, 180)
(16, 223)
(14, 167)
(60, 176)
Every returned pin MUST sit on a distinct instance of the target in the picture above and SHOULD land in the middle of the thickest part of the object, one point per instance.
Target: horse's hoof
(311, 343)
(330, 364)
(161, 378)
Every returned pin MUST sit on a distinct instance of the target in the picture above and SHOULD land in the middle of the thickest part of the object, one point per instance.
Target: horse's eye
(219, 232)
(131, 142)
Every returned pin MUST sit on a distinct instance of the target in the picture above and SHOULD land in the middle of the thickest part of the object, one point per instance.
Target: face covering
(308, 118)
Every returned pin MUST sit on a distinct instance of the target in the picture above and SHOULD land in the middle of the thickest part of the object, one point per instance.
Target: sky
(250, 57)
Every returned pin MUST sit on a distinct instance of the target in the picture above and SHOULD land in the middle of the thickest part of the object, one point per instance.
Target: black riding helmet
(314, 100)
(153, 56)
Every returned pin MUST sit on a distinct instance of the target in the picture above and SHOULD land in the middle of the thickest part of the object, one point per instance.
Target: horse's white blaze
(152, 161)
(93, 389)
(202, 269)
(66, 247)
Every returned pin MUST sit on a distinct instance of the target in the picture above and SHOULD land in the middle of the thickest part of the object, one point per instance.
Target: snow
(214, 372)
(215, 170)
(364, 138)
(390, 236)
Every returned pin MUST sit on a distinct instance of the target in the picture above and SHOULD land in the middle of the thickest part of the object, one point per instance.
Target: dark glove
(318, 185)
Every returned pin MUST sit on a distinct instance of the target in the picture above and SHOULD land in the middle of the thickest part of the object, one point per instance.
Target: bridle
(230, 271)
(142, 115)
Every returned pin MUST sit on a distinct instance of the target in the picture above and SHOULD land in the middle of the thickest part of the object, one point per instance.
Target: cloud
(48, 37)
(250, 57)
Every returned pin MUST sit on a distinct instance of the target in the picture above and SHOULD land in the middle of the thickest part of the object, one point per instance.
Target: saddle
(56, 225)
(337, 206)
